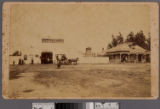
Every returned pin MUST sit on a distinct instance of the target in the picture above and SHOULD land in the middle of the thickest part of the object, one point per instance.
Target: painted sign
(45, 40)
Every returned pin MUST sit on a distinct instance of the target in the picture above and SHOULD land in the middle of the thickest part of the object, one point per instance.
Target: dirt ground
(82, 81)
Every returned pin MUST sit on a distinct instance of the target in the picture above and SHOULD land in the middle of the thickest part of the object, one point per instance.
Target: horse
(59, 63)
(73, 60)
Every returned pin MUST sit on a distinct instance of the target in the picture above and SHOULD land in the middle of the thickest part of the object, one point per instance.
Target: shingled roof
(127, 47)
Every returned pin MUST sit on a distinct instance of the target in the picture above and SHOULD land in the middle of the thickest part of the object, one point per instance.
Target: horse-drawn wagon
(61, 58)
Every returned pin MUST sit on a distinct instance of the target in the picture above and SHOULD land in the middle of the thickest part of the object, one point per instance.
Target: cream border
(154, 46)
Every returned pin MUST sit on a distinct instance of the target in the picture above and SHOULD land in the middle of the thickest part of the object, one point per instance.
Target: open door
(46, 58)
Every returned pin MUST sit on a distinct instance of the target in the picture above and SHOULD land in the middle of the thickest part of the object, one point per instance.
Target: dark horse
(73, 60)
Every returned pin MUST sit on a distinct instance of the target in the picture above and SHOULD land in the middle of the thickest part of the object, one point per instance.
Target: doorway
(140, 57)
(46, 58)
(124, 58)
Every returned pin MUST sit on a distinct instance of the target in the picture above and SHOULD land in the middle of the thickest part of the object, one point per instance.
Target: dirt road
(82, 80)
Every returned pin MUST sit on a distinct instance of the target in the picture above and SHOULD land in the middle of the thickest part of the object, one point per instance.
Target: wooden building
(128, 52)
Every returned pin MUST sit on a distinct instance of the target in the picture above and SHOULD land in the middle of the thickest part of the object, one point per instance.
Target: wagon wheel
(69, 62)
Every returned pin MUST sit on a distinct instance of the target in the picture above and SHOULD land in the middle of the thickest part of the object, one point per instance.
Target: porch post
(144, 58)
(128, 57)
(120, 57)
(137, 57)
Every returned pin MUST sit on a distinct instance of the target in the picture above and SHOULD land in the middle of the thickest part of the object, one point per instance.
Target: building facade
(128, 52)
(45, 52)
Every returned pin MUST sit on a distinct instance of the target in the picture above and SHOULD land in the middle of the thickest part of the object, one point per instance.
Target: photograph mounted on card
(87, 50)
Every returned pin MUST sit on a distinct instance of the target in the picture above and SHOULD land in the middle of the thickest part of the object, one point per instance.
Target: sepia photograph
(85, 50)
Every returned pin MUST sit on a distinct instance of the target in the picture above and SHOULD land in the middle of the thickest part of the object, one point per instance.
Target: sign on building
(46, 40)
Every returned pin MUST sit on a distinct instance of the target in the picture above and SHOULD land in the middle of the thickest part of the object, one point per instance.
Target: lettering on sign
(52, 40)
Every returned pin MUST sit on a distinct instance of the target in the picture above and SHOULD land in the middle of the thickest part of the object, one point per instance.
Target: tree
(130, 37)
(138, 39)
(148, 40)
(114, 41)
(109, 46)
(119, 38)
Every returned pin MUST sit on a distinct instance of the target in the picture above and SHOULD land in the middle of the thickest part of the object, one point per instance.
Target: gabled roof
(16, 53)
(127, 47)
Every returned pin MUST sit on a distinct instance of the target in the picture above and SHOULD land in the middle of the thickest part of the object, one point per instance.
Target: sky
(81, 25)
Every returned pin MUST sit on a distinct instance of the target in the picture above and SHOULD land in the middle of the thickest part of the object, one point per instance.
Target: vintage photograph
(80, 50)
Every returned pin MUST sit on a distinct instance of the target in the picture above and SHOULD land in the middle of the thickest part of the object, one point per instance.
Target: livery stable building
(44, 52)
(128, 52)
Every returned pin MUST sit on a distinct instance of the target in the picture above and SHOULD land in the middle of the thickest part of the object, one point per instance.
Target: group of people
(21, 62)
(60, 59)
